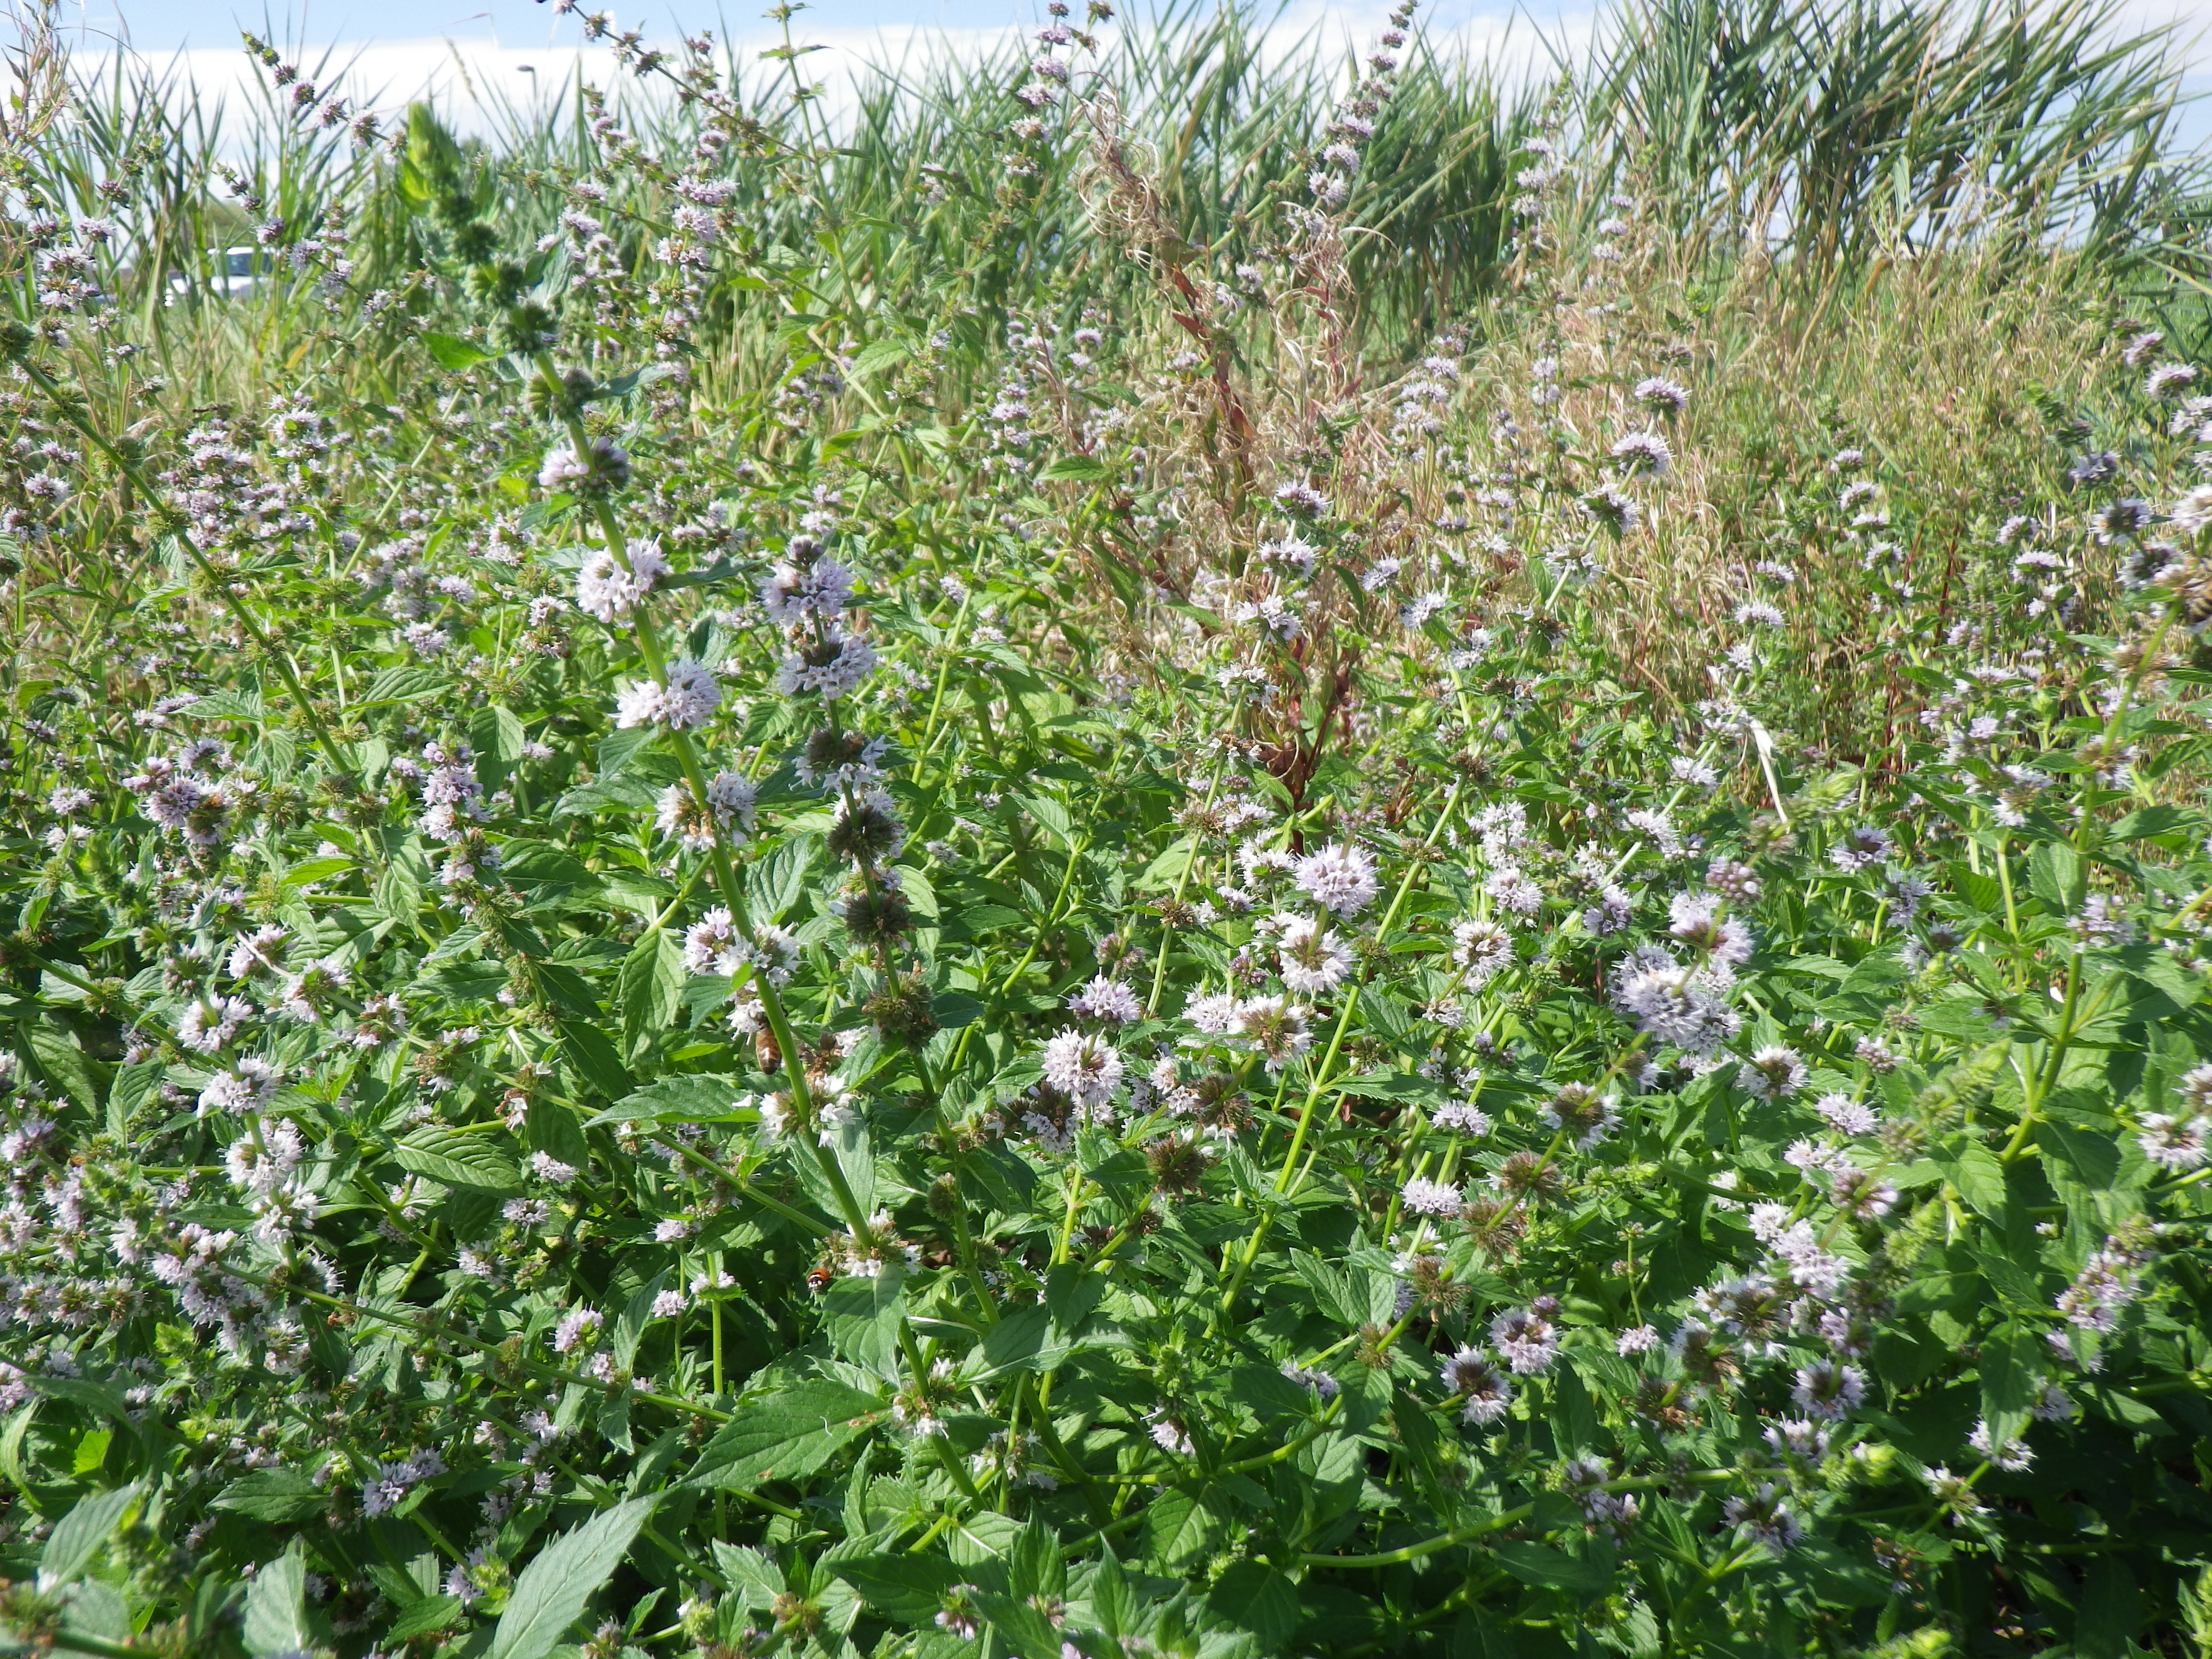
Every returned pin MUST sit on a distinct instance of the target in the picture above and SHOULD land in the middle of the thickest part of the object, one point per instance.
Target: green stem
(1427, 1546)
(798, 1218)
(944, 670)
(1182, 881)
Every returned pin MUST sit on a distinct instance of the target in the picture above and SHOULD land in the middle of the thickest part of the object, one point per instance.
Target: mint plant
(1049, 977)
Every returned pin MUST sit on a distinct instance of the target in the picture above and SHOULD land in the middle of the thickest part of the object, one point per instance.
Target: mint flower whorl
(685, 703)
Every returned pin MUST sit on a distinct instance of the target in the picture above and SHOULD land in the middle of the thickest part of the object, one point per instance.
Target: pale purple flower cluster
(1484, 1385)
(452, 796)
(1108, 1000)
(1310, 959)
(1682, 1004)
(603, 465)
(818, 590)
(384, 1491)
(182, 795)
(684, 703)
(2106, 1285)
(612, 588)
(577, 1328)
(1423, 1197)
(1765, 1517)
(1528, 1337)
(730, 809)
(1341, 878)
(1084, 1067)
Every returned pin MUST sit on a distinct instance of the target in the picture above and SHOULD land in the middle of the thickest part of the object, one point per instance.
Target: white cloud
(475, 79)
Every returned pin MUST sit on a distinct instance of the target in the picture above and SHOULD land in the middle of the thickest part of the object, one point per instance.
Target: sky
(167, 25)
(398, 48)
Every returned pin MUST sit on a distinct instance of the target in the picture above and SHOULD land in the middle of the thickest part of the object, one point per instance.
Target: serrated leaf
(1547, 1568)
(228, 706)
(550, 1593)
(862, 1314)
(910, 1587)
(595, 1059)
(1021, 1341)
(1020, 1627)
(1975, 1171)
(1035, 1565)
(537, 867)
(620, 747)
(2149, 821)
(277, 1607)
(773, 885)
(451, 352)
(397, 894)
(2155, 965)
(785, 1436)
(2077, 1157)
(457, 1160)
(1179, 1528)
(2109, 1615)
(408, 682)
(64, 1063)
(2056, 875)
(78, 1536)
(954, 1009)
(431, 1614)
(921, 893)
(1391, 1085)
(755, 1578)
(856, 1162)
(2011, 1382)
(686, 1099)
(877, 355)
(651, 986)
(1049, 816)
(94, 1607)
(274, 1495)
(1111, 1602)
(132, 1087)
(496, 735)
(1169, 868)
(1252, 1595)
(630, 1329)
(1960, 1017)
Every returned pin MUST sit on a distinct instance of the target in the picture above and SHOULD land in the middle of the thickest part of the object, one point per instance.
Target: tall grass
(1831, 181)
(1828, 131)
(1823, 133)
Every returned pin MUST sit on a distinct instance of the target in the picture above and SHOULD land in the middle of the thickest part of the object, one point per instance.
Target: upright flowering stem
(2044, 1077)
(930, 729)
(725, 872)
(1182, 881)
(1322, 1072)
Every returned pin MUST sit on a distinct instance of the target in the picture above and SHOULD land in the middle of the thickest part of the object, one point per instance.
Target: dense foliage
(1125, 974)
